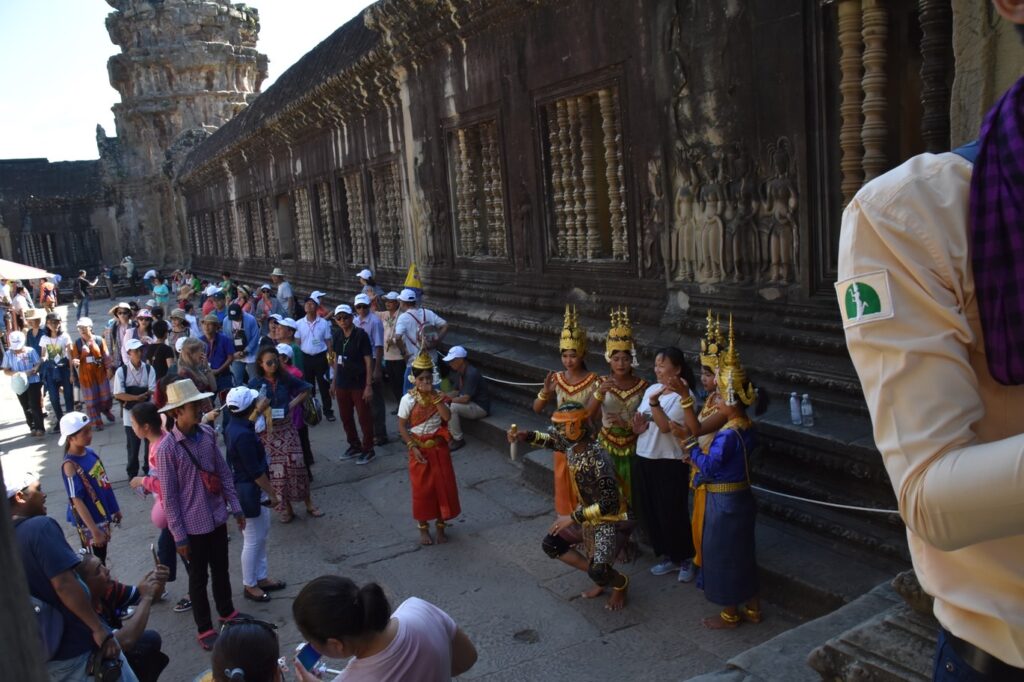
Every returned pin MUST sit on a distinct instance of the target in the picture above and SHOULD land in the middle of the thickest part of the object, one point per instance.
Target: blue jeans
(54, 379)
(167, 552)
(83, 308)
(73, 670)
(950, 667)
(241, 372)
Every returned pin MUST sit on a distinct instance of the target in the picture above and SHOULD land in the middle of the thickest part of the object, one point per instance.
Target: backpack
(427, 334)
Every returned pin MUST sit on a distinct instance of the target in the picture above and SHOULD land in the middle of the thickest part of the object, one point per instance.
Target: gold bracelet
(541, 395)
(686, 404)
(599, 396)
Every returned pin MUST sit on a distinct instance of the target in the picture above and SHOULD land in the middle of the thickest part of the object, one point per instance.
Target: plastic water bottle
(806, 411)
(795, 414)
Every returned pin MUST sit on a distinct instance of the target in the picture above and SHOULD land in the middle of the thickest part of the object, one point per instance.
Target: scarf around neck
(997, 235)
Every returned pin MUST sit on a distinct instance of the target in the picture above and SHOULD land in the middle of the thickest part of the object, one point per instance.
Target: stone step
(804, 573)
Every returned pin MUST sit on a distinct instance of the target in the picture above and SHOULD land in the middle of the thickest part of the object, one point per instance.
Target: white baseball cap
(454, 352)
(19, 383)
(84, 322)
(266, 287)
(288, 322)
(343, 308)
(365, 274)
(212, 290)
(133, 344)
(285, 349)
(16, 340)
(70, 424)
(407, 295)
(276, 317)
(179, 343)
(240, 397)
(17, 479)
(362, 299)
(391, 296)
(317, 295)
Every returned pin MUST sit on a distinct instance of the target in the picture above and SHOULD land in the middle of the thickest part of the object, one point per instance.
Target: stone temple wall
(185, 68)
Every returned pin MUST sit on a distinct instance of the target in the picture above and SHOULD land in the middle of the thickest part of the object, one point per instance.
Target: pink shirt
(420, 652)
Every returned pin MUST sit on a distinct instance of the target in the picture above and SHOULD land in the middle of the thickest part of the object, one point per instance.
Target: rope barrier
(826, 504)
(512, 383)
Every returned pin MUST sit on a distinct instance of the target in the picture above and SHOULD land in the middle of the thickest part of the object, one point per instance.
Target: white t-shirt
(652, 443)
(428, 427)
(409, 324)
(127, 375)
(314, 337)
(420, 652)
(284, 292)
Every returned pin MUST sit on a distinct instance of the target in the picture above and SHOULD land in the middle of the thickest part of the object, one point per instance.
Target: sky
(53, 67)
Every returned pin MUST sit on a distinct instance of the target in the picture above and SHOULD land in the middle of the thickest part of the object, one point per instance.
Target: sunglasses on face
(361, 305)
(343, 316)
(270, 362)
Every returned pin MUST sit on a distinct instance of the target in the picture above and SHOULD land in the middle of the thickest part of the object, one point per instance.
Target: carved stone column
(465, 217)
(607, 101)
(874, 131)
(495, 193)
(356, 219)
(936, 17)
(555, 144)
(850, 45)
(593, 245)
(574, 202)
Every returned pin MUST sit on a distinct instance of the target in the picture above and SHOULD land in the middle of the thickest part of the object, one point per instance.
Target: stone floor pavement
(521, 609)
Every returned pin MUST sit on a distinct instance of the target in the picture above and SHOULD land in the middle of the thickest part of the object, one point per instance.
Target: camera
(105, 669)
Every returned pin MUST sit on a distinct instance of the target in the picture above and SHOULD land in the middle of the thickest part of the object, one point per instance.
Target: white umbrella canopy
(11, 270)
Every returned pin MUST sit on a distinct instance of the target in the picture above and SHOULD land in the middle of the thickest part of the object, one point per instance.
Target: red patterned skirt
(288, 474)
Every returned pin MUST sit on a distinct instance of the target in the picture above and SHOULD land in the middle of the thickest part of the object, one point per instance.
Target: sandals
(314, 512)
(751, 615)
(207, 639)
(286, 516)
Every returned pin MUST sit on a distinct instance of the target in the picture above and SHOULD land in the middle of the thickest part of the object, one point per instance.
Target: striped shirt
(22, 362)
(191, 509)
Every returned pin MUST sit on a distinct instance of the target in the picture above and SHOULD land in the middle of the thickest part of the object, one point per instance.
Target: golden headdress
(422, 361)
(711, 345)
(733, 385)
(620, 336)
(573, 336)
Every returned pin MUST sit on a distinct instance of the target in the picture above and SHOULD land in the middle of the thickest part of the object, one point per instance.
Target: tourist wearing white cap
(134, 382)
(370, 287)
(24, 361)
(369, 322)
(248, 462)
(414, 325)
(49, 566)
(314, 336)
(285, 295)
(92, 505)
(89, 356)
(353, 384)
(394, 361)
(266, 306)
(469, 399)
(321, 304)
(199, 494)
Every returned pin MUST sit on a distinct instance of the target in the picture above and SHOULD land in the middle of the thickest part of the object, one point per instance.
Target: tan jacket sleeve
(920, 367)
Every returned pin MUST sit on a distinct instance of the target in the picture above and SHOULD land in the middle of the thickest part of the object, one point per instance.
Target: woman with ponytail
(417, 643)
(246, 651)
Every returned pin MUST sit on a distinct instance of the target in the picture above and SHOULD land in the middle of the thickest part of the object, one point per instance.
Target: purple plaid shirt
(190, 508)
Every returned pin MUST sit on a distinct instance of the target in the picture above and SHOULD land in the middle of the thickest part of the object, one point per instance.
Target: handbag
(211, 481)
(312, 410)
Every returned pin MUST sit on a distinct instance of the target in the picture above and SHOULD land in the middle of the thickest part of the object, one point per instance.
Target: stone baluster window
(193, 235)
(269, 227)
(256, 230)
(208, 237)
(387, 215)
(243, 229)
(584, 169)
(325, 222)
(39, 250)
(478, 188)
(83, 247)
(355, 217)
(305, 249)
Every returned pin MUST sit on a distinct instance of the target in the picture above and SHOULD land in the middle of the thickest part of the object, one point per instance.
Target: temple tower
(185, 68)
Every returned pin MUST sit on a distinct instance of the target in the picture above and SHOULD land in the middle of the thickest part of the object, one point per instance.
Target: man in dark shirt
(81, 294)
(49, 564)
(220, 352)
(353, 387)
(470, 399)
(160, 355)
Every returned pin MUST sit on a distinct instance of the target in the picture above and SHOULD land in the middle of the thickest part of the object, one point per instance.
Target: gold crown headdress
(712, 343)
(733, 385)
(422, 361)
(620, 336)
(573, 336)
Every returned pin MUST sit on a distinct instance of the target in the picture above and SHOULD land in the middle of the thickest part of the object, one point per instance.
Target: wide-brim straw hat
(184, 293)
(120, 306)
(181, 393)
(277, 272)
(33, 314)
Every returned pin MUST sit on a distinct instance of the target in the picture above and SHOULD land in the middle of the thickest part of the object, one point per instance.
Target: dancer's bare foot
(441, 537)
(593, 593)
(425, 538)
(617, 601)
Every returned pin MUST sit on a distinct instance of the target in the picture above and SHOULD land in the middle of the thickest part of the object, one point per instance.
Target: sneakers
(456, 444)
(687, 572)
(351, 453)
(366, 457)
(184, 604)
(329, 417)
(664, 567)
(127, 613)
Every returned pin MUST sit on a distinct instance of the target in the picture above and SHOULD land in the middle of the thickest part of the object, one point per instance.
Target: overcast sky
(53, 67)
